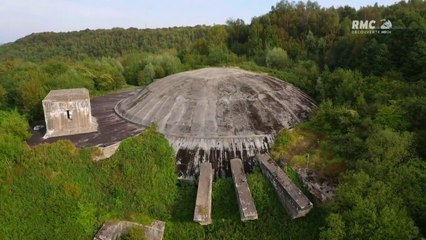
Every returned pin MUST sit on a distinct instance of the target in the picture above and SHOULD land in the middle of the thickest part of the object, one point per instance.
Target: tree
(409, 182)
(13, 131)
(238, 36)
(367, 209)
(375, 58)
(413, 66)
(277, 58)
(386, 151)
(146, 76)
(3, 97)
(342, 86)
(392, 116)
(31, 93)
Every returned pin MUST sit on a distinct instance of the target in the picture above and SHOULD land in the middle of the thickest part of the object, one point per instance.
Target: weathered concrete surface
(203, 204)
(68, 112)
(323, 189)
(111, 127)
(295, 202)
(245, 199)
(106, 152)
(112, 230)
(216, 114)
(155, 231)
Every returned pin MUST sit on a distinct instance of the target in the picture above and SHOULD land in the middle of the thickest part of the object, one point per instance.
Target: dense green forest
(371, 115)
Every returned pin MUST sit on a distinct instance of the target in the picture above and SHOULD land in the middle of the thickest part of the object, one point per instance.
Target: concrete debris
(245, 199)
(203, 204)
(293, 200)
(112, 230)
(322, 190)
(106, 151)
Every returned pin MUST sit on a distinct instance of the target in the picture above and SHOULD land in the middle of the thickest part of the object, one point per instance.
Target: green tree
(367, 209)
(277, 58)
(3, 97)
(392, 116)
(31, 93)
(375, 58)
(386, 150)
(413, 66)
(238, 36)
(13, 131)
(146, 76)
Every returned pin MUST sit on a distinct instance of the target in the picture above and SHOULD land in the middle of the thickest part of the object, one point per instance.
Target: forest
(370, 126)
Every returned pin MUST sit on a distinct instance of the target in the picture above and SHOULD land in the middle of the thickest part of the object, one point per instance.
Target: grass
(55, 191)
(297, 145)
(273, 223)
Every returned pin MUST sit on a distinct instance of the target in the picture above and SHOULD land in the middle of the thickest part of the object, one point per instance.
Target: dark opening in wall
(69, 115)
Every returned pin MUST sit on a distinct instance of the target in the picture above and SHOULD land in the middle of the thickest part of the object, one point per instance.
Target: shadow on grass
(273, 223)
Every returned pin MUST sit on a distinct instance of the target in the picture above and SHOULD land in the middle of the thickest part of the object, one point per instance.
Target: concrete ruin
(245, 199)
(106, 151)
(216, 114)
(112, 230)
(293, 200)
(68, 112)
(203, 204)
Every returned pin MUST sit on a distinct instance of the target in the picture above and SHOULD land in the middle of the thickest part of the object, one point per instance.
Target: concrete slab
(203, 204)
(245, 199)
(112, 230)
(106, 152)
(293, 200)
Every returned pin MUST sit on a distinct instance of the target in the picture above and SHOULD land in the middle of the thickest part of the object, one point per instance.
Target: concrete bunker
(68, 112)
(217, 114)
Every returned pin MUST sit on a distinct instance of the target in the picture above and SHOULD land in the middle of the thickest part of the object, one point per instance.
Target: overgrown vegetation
(370, 90)
(57, 188)
(226, 216)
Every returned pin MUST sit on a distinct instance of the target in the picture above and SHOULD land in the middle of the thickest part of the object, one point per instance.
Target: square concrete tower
(68, 112)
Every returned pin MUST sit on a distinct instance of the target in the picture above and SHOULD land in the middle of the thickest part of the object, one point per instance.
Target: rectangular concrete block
(68, 112)
(245, 199)
(112, 230)
(293, 200)
(203, 204)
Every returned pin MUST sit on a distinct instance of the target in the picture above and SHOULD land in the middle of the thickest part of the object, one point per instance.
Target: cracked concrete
(216, 114)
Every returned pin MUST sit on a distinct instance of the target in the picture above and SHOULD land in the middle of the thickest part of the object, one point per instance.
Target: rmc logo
(371, 25)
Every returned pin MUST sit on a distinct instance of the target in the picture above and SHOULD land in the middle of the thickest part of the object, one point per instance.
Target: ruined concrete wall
(112, 230)
(68, 117)
(245, 200)
(106, 152)
(203, 203)
(218, 151)
(293, 200)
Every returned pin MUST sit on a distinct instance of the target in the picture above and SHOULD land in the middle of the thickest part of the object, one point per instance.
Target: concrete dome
(214, 114)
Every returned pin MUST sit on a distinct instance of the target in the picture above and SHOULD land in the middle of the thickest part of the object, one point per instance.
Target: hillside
(98, 43)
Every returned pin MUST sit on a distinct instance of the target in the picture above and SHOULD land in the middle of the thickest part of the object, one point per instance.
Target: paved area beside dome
(111, 127)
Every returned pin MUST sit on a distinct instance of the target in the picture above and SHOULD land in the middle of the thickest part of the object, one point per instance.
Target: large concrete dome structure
(216, 114)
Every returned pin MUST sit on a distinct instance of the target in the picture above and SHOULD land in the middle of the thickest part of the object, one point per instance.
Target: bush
(277, 58)
(58, 185)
